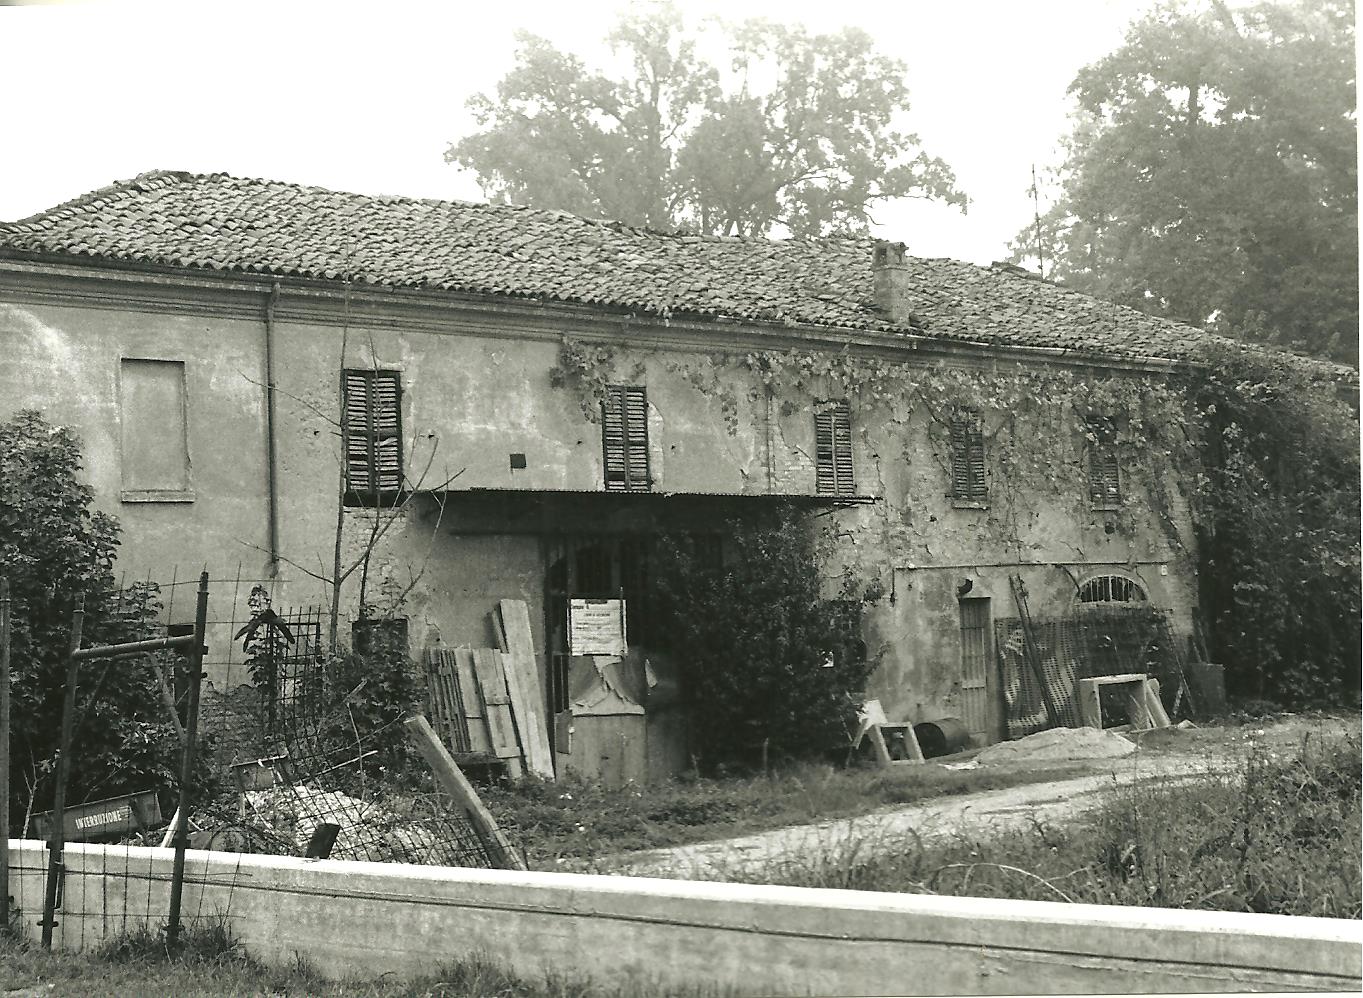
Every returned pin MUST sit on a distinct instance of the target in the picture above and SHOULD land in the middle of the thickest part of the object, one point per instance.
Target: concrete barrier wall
(366, 919)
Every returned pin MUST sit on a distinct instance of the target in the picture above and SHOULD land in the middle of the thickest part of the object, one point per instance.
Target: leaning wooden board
(475, 714)
(487, 666)
(511, 625)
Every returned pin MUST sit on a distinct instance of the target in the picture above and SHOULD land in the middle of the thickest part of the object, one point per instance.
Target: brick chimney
(891, 280)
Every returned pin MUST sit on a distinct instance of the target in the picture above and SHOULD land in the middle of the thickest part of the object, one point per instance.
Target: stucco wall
(366, 920)
(477, 389)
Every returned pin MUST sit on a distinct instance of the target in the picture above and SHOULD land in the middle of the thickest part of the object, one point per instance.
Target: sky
(366, 97)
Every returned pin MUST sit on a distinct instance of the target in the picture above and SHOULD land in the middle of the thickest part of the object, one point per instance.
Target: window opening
(372, 428)
(624, 433)
(968, 483)
(833, 449)
(1111, 589)
(1104, 469)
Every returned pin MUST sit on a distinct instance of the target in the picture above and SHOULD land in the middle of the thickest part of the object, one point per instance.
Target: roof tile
(227, 224)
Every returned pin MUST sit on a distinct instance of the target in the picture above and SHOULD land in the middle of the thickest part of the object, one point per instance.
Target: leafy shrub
(1280, 538)
(368, 691)
(768, 659)
(53, 547)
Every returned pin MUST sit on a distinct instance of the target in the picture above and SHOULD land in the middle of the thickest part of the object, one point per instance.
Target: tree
(1211, 174)
(53, 547)
(1279, 535)
(767, 657)
(669, 147)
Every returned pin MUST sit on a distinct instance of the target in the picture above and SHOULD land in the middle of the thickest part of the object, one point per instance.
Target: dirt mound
(1058, 744)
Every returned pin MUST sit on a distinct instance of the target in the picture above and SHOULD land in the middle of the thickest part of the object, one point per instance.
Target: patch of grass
(138, 964)
(1281, 833)
(575, 819)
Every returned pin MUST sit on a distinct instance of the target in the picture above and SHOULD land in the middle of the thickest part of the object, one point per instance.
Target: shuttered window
(833, 450)
(372, 428)
(624, 438)
(1105, 487)
(967, 460)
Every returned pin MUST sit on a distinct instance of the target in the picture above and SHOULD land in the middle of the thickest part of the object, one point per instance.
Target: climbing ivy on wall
(1036, 423)
(1263, 458)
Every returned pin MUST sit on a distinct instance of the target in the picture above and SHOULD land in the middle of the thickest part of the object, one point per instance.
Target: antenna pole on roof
(1036, 215)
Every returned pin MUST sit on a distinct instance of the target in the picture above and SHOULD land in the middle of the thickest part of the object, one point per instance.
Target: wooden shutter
(1104, 470)
(968, 482)
(624, 438)
(833, 450)
(372, 430)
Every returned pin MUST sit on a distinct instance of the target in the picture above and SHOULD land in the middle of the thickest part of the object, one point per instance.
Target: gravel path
(1210, 753)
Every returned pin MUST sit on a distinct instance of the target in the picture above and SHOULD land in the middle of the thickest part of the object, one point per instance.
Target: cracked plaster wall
(468, 402)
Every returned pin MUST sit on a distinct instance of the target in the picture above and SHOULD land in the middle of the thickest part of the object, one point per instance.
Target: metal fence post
(196, 654)
(57, 839)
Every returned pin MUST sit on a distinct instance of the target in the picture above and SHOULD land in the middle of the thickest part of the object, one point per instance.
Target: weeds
(138, 963)
(577, 820)
(1279, 834)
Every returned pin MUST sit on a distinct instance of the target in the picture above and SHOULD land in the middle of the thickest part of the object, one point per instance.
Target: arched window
(1110, 589)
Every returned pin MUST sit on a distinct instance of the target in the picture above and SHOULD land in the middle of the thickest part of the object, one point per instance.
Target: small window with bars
(624, 438)
(833, 450)
(372, 430)
(1105, 486)
(1110, 589)
(968, 483)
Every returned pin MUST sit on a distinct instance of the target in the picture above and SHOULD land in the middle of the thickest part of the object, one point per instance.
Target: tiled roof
(224, 223)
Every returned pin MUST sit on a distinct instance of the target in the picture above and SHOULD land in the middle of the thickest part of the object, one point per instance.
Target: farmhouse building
(542, 393)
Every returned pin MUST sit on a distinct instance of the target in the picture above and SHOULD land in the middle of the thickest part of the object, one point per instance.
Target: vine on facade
(1247, 447)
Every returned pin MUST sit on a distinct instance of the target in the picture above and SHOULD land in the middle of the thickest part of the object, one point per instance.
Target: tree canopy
(801, 132)
(1211, 174)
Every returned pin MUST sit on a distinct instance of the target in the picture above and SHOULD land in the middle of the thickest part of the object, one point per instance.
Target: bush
(368, 692)
(53, 547)
(767, 658)
(1280, 530)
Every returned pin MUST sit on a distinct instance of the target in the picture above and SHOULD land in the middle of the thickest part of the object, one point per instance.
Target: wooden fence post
(195, 658)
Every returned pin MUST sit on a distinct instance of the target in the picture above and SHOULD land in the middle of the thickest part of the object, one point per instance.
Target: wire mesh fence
(291, 739)
(1097, 641)
(305, 748)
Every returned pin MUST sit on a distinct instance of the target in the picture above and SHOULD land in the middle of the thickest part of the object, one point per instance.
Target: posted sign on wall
(596, 626)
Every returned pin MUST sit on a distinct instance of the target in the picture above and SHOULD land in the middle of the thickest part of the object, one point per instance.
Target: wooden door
(979, 685)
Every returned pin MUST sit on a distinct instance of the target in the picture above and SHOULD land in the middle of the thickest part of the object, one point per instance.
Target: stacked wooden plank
(488, 701)
(511, 625)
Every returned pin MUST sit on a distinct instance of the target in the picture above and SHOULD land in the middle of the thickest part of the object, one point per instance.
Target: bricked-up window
(624, 438)
(833, 450)
(373, 432)
(154, 430)
(1105, 487)
(968, 485)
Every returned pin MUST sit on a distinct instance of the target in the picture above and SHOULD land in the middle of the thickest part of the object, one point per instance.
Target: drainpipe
(271, 467)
